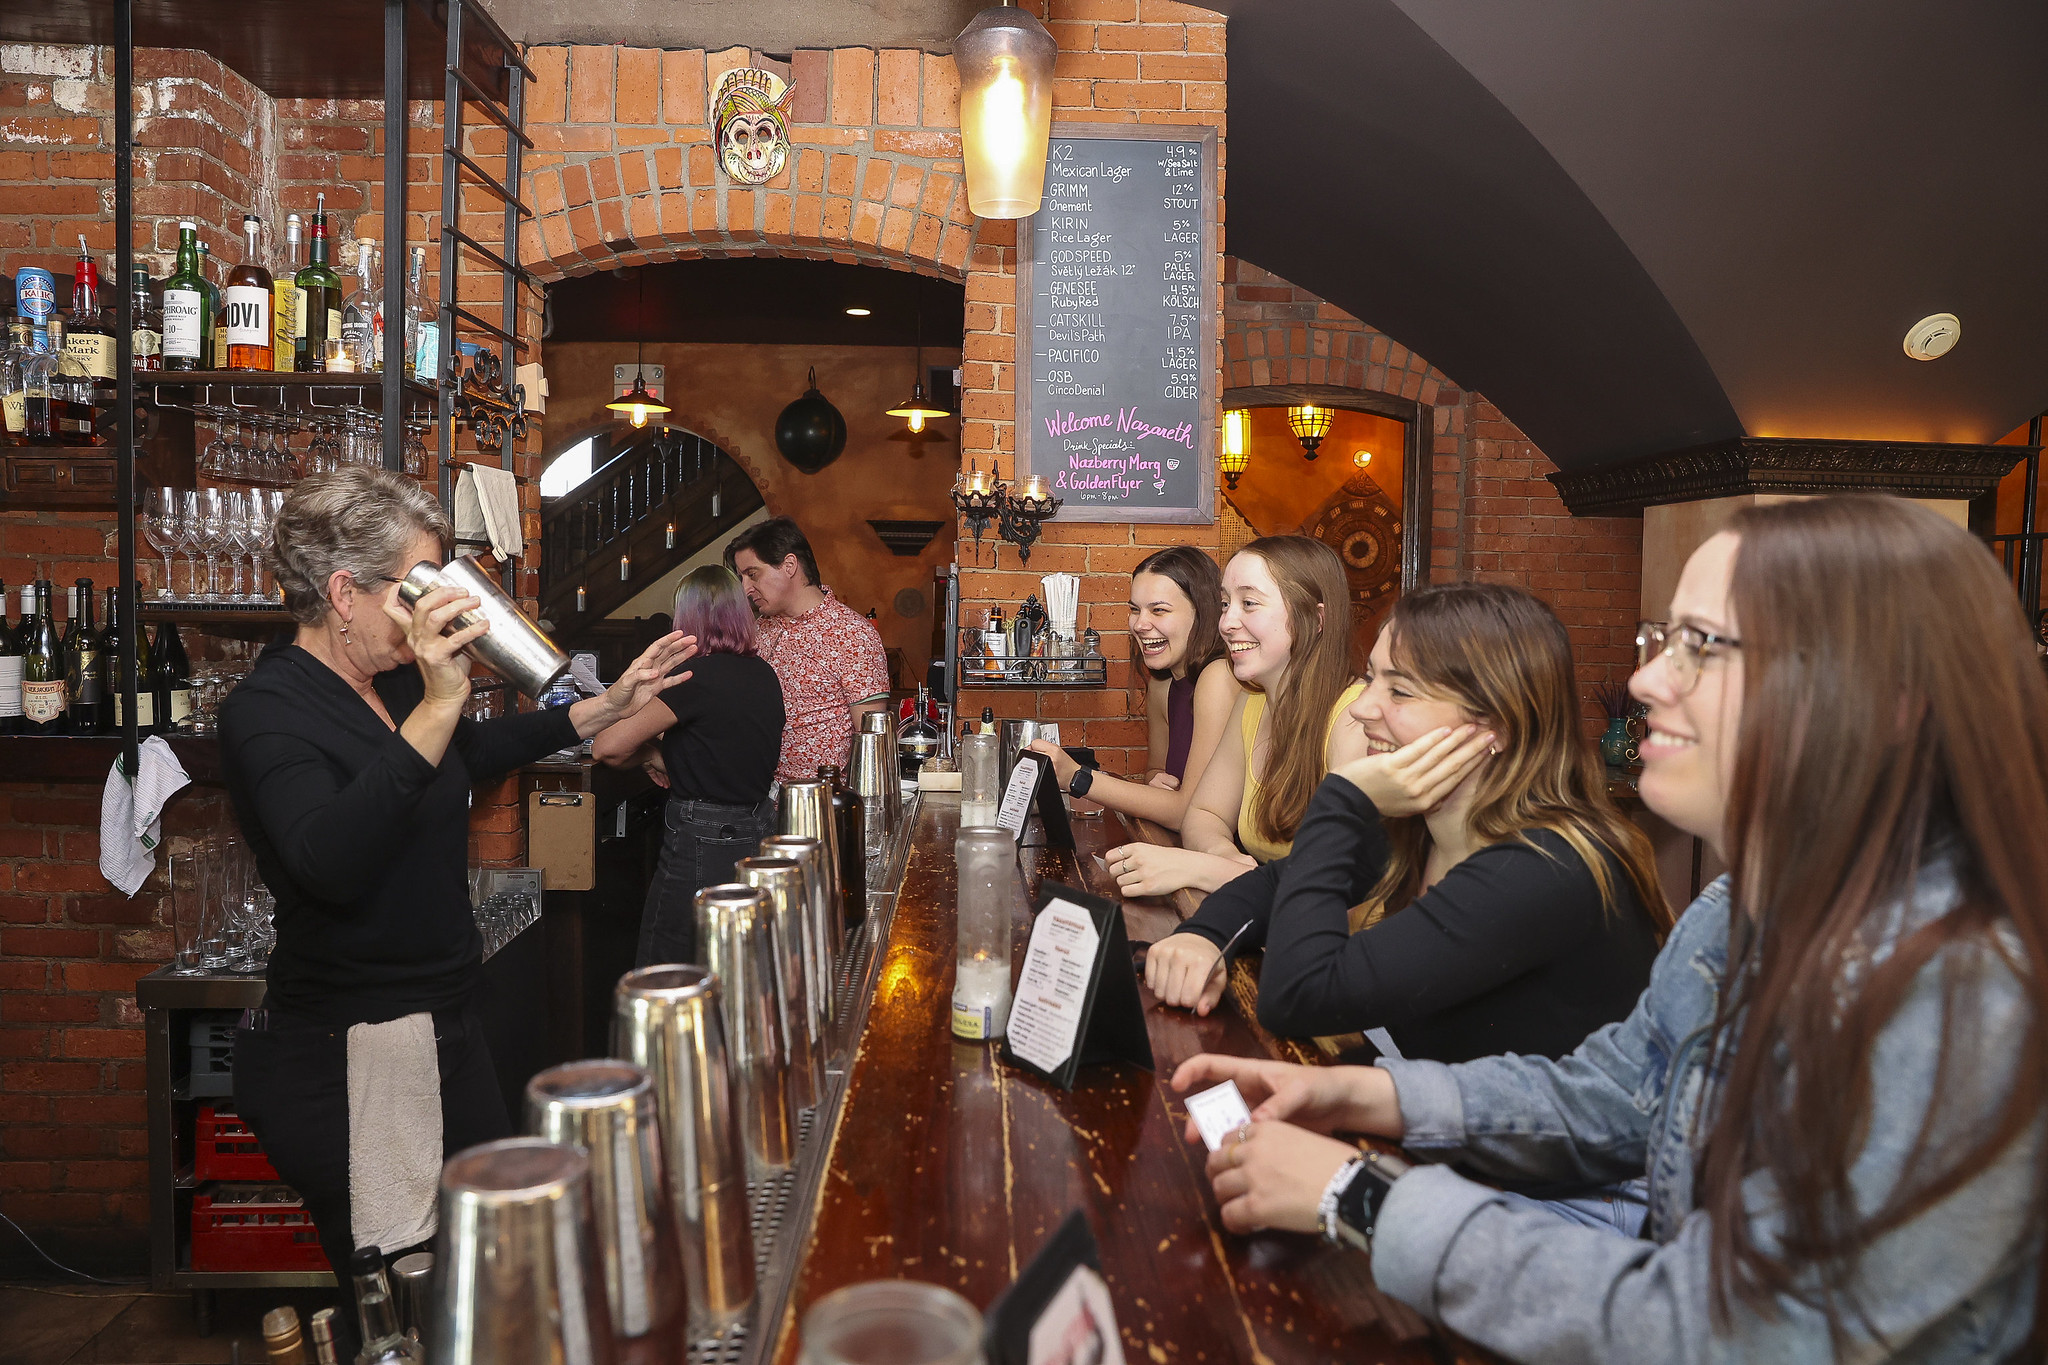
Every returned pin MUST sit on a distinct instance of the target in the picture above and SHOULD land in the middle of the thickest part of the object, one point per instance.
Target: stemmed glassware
(210, 515)
(234, 538)
(160, 527)
(215, 457)
(187, 523)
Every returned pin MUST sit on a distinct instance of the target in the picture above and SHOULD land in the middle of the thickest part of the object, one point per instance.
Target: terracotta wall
(1280, 490)
(733, 394)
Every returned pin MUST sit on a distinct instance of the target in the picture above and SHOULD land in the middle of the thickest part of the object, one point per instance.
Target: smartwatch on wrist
(1082, 780)
(1351, 1204)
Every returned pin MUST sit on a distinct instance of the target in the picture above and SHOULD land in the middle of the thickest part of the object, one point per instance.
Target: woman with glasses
(1465, 887)
(1836, 1080)
(350, 762)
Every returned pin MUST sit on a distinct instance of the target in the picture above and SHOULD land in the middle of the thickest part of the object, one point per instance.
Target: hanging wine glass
(215, 456)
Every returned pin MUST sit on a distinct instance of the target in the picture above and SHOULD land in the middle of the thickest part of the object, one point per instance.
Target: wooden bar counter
(949, 1167)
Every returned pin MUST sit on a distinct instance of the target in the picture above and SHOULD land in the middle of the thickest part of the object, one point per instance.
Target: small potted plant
(1617, 745)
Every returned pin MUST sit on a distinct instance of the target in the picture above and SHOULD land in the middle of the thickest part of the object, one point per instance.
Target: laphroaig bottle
(147, 338)
(145, 675)
(251, 342)
(187, 323)
(10, 672)
(84, 664)
(319, 302)
(42, 671)
(284, 298)
(173, 684)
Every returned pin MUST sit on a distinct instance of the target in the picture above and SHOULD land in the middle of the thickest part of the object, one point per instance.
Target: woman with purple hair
(712, 740)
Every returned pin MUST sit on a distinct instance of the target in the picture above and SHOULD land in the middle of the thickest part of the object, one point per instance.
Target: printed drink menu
(1117, 294)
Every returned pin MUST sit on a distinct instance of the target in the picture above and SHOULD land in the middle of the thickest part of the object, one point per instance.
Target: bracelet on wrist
(1326, 1208)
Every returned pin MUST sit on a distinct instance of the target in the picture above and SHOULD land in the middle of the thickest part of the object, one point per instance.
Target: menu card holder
(1077, 1000)
(1032, 783)
(1059, 1309)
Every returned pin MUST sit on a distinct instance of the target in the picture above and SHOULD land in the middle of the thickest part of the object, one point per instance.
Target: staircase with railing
(650, 507)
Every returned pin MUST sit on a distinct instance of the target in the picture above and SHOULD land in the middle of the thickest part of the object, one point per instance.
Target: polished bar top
(947, 1166)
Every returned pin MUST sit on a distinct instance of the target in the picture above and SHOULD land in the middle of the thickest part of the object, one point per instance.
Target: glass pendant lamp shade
(1005, 58)
(1235, 459)
(1310, 424)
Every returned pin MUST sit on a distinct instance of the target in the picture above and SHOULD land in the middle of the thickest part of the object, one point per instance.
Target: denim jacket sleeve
(1953, 1284)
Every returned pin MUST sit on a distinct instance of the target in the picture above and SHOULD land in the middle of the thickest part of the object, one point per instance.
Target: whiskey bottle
(284, 297)
(187, 323)
(87, 337)
(251, 341)
(319, 302)
(72, 410)
(14, 358)
(147, 340)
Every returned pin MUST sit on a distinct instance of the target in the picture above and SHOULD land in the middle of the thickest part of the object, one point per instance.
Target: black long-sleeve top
(363, 843)
(1512, 951)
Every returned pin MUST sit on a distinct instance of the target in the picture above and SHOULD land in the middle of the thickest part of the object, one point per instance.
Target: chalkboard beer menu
(1116, 298)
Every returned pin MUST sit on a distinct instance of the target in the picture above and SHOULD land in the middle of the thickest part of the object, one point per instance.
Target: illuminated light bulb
(1362, 458)
(639, 414)
(1003, 127)
(917, 421)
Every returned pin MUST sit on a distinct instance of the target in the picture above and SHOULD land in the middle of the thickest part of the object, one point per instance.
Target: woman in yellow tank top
(1287, 622)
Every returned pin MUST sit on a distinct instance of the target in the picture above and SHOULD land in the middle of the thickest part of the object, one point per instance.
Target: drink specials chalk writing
(1116, 292)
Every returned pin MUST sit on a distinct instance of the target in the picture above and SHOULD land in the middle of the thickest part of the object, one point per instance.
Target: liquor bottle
(319, 302)
(35, 391)
(147, 339)
(87, 337)
(10, 672)
(251, 342)
(84, 668)
(110, 668)
(422, 337)
(187, 324)
(917, 739)
(326, 1351)
(988, 721)
(13, 396)
(284, 298)
(281, 1338)
(42, 670)
(383, 1342)
(172, 682)
(145, 677)
(72, 412)
(217, 337)
(361, 316)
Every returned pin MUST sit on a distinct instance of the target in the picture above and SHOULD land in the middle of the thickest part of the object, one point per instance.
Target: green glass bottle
(10, 672)
(173, 679)
(145, 677)
(188, 326)
(318, 291)
(42, 671)
(83, 664)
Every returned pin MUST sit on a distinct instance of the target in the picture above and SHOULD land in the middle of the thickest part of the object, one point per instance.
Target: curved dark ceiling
(1637, 227)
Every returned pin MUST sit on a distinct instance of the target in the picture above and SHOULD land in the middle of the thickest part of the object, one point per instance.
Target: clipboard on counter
(561, 839)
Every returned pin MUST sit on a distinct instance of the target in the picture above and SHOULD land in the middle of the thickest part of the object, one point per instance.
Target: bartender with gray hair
(350, 762)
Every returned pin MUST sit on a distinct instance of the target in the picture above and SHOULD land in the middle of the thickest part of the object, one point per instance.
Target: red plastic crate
(254, 1227)
(225, 1149)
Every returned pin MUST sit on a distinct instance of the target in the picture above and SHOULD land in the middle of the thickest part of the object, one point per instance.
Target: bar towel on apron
(394, 1132)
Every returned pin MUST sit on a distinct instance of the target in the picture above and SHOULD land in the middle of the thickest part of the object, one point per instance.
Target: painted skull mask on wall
(748, 109)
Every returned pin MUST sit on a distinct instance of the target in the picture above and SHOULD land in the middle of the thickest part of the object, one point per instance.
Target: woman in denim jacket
(1835, 1081)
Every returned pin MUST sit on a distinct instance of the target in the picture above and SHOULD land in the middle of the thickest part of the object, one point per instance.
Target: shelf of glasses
(198, 612)
(259, 391)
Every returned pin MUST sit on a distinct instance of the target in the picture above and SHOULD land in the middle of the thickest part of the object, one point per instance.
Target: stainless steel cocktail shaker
(513, 648)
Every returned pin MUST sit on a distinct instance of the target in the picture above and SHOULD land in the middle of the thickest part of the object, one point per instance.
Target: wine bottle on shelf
(251, 344)
(10, 672)
(110, 668)
(87, 336)
(187, 323)
(284, 297)
(319, 302)
(145, 676)
(217, 337)
(173, 679)
(42, 671)
(84, 668)
(147, 338)
(67, 647)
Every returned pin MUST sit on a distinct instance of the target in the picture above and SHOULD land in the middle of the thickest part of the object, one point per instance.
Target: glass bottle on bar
(10, 672)
(87, 337)
(383, 1342)
(985, 859)
(110, 668)
(250, 340)
(13, 396)
(917, 739)
(72, 411)
(35, 391)
(172, 680)
(319, 302)
(42, 670)
(147, 339)
(187, 323)
(361, 338)
(284, 298)
(145, 677)
(217, 337)
(421, 336)
(84, 668)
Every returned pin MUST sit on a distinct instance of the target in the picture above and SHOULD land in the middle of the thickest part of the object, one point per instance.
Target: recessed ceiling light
(856, 312)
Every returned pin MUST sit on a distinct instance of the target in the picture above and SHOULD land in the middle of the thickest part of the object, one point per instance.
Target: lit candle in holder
(670, 536)
(625, 568)
(580, 604)
(1034, 487)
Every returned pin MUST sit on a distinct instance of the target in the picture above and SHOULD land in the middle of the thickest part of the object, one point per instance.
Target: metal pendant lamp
(915, 408)
(636, 404)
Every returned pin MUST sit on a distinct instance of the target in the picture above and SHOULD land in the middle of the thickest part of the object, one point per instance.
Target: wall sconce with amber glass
(1005, 58)
(1310, 424)
(1234, 459)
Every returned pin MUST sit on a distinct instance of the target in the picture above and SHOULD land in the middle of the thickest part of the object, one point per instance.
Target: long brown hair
(1196, 575)
(1893, 711)
(1503, 655)
(1318, 598)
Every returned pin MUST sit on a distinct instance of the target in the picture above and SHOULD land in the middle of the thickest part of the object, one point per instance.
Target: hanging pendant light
(1235, 458)
(914, 407)
(1310, 424)
(636, 404)
(1005, 58)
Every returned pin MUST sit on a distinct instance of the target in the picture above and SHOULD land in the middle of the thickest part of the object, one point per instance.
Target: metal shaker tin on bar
(514, 648)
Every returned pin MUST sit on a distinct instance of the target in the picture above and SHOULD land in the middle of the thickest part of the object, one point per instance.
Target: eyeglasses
(1682, 646)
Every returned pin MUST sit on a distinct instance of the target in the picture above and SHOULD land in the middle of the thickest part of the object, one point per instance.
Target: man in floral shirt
(827, 656)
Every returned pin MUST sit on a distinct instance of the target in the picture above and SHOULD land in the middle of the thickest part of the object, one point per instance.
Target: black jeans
(701, 842)
(291, 1088)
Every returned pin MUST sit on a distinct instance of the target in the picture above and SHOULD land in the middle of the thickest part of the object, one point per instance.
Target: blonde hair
(354, 519)
(1311, 580)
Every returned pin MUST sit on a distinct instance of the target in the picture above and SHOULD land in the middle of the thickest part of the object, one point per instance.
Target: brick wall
(1494, 517)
